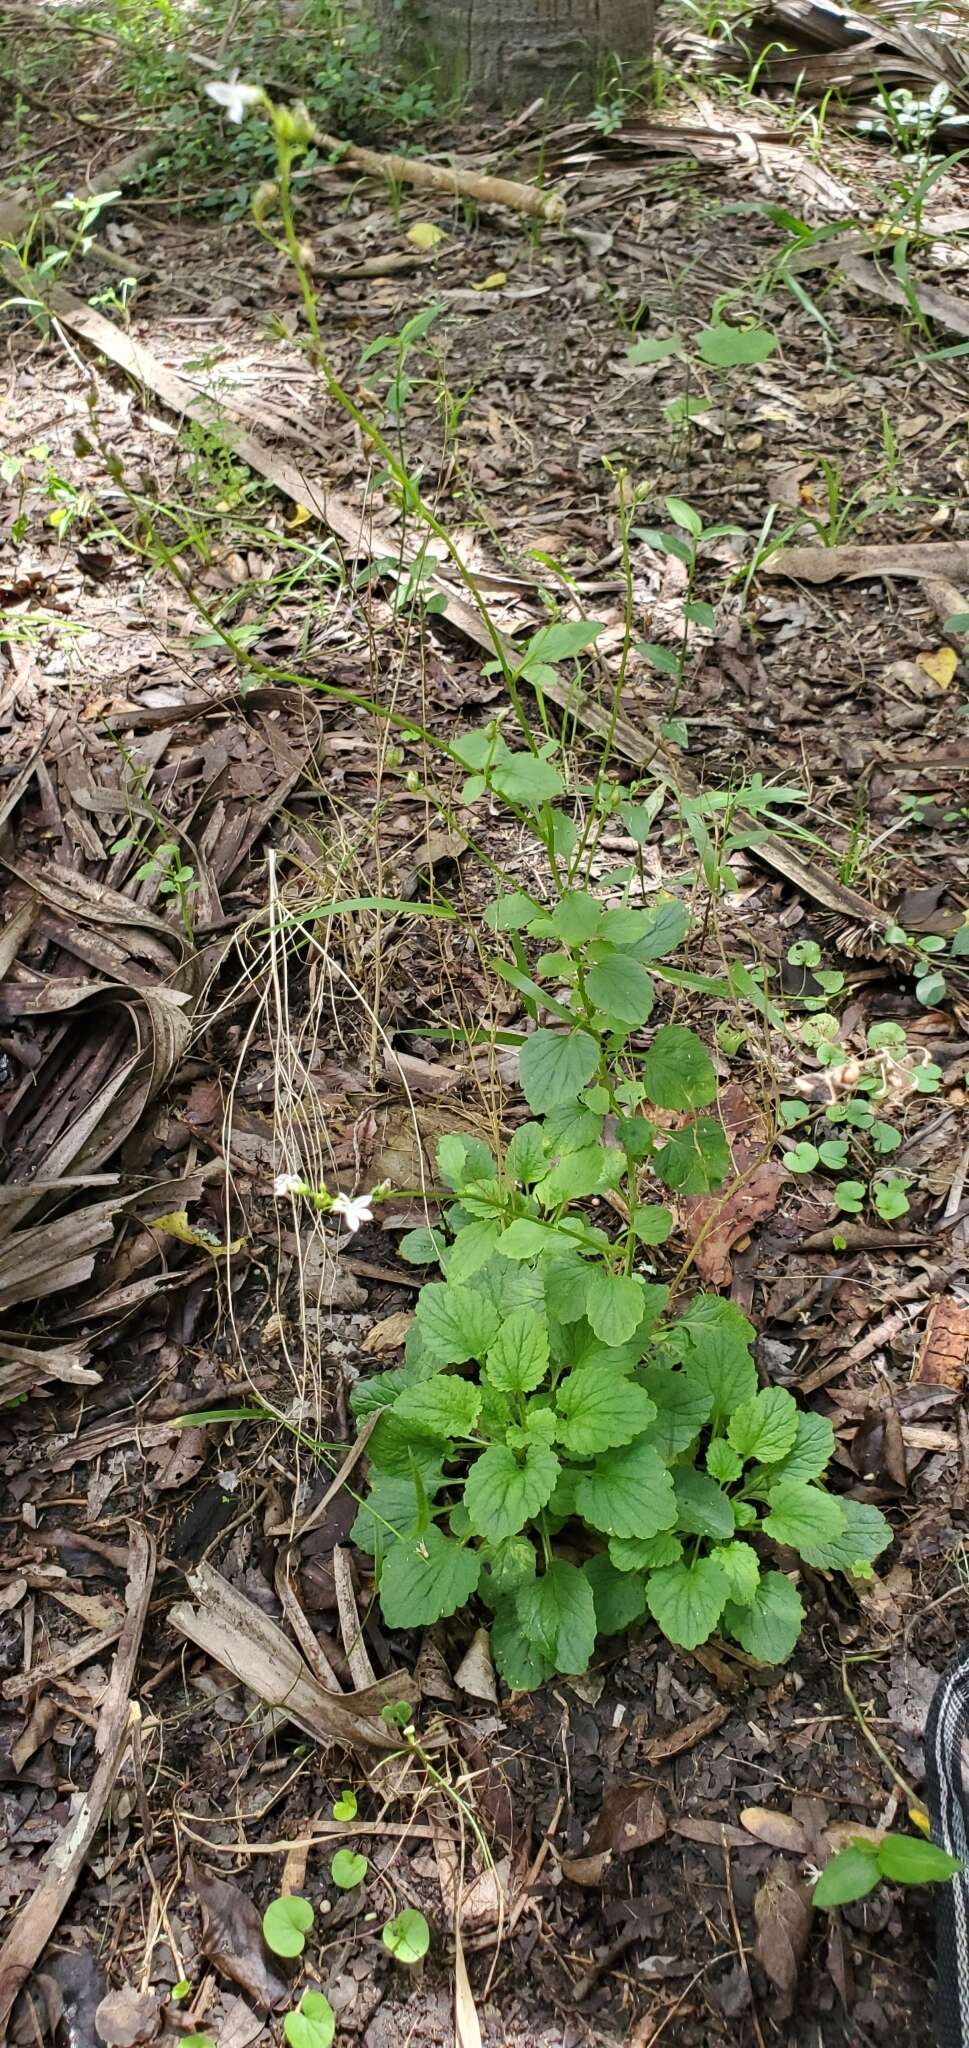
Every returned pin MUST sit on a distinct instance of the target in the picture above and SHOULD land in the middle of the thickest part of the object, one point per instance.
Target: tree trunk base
(505, 53)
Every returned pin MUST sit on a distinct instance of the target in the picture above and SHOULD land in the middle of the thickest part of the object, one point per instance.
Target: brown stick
(825, 565)
(35, 1924)
(409, 170)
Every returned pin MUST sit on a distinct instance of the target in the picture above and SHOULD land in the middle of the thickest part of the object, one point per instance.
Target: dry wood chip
(662, 1747)
(944, 1350)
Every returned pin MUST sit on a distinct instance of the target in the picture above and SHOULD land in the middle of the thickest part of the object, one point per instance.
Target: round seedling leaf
(348, 1869)
(345, 1808)
(285, 1925)
(407, 1937)
(313, 2024)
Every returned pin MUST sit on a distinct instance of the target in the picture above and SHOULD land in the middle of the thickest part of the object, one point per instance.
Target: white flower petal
(234, 95)
(287, 1184)
(354, 1209)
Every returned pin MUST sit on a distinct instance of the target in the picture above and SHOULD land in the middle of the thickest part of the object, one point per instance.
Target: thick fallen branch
(457, 183)
(949, 558)
(37, 1920)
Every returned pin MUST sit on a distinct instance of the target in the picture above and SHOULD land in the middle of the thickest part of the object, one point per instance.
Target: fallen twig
(235, 1633)
(37, 1920)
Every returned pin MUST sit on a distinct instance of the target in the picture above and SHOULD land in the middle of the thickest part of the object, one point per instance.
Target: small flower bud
(292, 126)
(263, 200)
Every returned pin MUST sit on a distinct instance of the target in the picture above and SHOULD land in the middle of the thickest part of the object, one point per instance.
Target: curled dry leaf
(476, 1673)
(715, 1223)
(662, 1747)
(127, 2017)
(586, 1870)
(714, 1834)
(782, 1912)
(630, 1817)
(389, 1334)
(232, 1940)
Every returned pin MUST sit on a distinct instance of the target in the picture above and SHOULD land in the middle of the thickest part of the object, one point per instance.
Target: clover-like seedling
(313, 2024)
(407, 1937)
(345, 1807)
(397, 1714)
(285, 1924)
(348, 1869)
(904, 1859)
(804, 953)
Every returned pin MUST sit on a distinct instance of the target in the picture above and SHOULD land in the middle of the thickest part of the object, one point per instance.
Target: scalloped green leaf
(678, 1070)
(425, 1578)
(620, 1597)
(597, 1411)
(645, 1553)
(615, 1305)
(503, 1490)
(768, 1626)
(442, 1407)
(803, 1515)
(517, 1361)
(684, 1404)
(456, 1322)
(687, 1600)
(628, 1492)
(557, 1612)
(702, 1507)
(554, 1065)
(765, 1427)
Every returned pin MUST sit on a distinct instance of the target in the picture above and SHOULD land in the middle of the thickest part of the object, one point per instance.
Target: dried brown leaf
(782, 1913)
(778, 1830)
(232, 1939)
(126, 2017)
(715, 1834)
(476, 1673)
(630, 1817)
(586, 1870)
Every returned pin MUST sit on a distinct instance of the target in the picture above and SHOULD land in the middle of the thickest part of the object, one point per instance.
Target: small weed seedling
(686, 545)
(347, 1869)
(286, 1923)
(165, 867)
(849, 1133)
(862, 1864)
(720, 348)
(313, 2024)
(407, 1937)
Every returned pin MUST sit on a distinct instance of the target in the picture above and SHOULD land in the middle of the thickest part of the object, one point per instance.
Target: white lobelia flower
(235, 96)
(288, 1184)
(354, 1209)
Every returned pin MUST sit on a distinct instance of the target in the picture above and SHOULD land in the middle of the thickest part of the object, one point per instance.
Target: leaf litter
(140, 1079)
